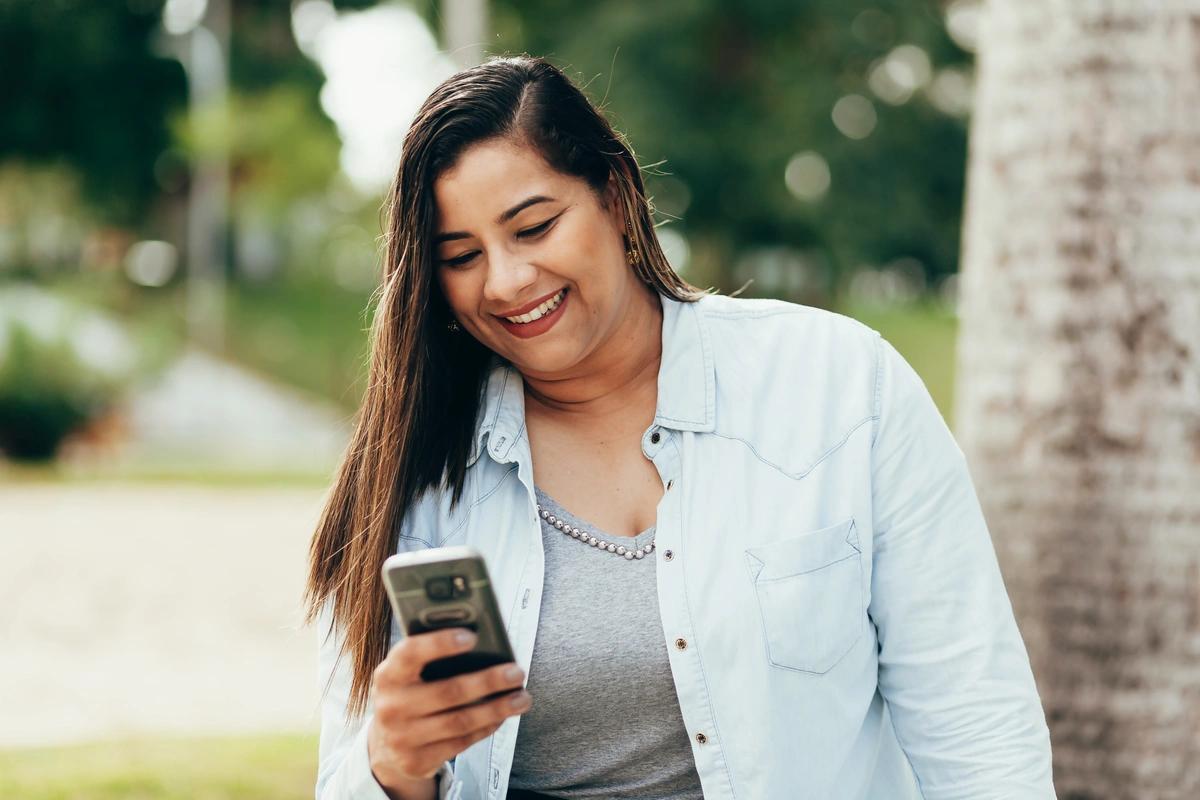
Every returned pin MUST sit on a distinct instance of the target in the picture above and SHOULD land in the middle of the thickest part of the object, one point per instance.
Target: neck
(621, 374)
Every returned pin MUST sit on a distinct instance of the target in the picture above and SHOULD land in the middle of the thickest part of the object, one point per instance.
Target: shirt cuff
(448, 787)
(363, 785)
(360, 781)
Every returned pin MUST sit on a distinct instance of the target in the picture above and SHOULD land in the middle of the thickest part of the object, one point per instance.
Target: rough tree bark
(1079, 372)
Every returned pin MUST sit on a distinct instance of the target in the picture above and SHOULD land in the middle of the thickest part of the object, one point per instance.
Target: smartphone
(448, 587)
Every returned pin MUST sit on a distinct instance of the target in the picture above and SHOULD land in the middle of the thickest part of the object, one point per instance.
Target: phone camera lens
(438, 589)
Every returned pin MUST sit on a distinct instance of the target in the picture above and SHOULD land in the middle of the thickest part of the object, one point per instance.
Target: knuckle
(387, 712)
(405, 652)
(454, 692)
(460, 721)
(407, 763)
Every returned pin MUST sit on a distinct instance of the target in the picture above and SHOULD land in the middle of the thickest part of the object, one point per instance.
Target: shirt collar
(686, 385)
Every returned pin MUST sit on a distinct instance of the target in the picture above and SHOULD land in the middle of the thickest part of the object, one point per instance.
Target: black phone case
(450, 592)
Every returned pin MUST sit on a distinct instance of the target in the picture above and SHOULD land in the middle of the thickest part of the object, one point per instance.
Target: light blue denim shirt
(835, 618)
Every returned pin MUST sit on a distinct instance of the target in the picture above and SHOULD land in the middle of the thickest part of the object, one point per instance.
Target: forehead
(492, 176)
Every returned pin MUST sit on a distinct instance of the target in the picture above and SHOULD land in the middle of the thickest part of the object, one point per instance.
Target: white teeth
(541, 311)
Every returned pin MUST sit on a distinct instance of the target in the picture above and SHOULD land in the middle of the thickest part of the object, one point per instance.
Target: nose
(509, 277)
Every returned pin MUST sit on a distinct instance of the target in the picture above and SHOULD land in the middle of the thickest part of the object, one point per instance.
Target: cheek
(457, 289)
(592, 249)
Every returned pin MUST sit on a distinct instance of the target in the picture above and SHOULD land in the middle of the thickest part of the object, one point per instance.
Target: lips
(539, 326)
(525, 309)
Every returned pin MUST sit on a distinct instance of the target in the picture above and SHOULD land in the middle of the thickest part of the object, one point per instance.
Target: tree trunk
(1079, 372)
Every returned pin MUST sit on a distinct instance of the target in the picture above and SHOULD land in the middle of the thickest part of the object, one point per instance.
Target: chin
(548, 360)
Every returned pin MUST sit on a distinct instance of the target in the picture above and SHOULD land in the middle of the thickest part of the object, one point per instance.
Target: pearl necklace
(575, 533)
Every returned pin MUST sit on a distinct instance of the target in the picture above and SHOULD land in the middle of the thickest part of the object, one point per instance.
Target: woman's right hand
(419, 725)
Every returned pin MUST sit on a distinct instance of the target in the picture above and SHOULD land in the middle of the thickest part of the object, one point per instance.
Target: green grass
(155, 473)
(310, 335)
(925, 334)
(278, 767)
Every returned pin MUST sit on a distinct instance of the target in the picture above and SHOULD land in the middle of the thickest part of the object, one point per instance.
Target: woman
(738, 552)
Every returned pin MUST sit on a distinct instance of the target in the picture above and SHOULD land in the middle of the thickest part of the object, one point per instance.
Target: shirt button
(670, 483)
(681, 644)
(668, 555)
(654, 437)
(701, 738)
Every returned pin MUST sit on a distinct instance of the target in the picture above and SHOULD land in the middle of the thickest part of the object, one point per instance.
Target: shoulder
(790, 379)
(775, 333)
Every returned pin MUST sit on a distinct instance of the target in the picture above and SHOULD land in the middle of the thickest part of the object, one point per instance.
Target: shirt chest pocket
(810, 596)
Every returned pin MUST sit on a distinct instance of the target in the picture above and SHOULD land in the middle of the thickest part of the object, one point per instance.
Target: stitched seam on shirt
(516, 438)
(795, 309)
(798, 475)
(804, 571)
(772, 312)
(512, 615)
(878, 386)
(500, 400)
(703, 676)
(491, 424)
(709, 378)
(462, 525)
(665, 418)
(488, 424)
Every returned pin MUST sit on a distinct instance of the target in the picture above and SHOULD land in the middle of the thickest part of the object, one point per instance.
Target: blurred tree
(86, 86)
(728, 94)
(82, 86)
(1079, 374)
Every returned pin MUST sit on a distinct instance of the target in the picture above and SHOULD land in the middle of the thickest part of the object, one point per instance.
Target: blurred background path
(137, 608)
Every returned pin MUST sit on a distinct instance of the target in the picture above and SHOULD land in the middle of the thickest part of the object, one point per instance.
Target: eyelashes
(528, 233)
(536, 229)
(458, 262)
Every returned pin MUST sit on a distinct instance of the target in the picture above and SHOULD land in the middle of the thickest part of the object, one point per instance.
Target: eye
(536, 230)
(460, 261)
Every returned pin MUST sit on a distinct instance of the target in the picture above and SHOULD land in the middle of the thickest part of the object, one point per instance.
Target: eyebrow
(500, 220)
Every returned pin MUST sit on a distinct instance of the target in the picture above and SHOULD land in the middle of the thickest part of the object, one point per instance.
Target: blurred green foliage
(279, 150)
(63, 365)
(279, 767)
(720, 96)
(726, 94)
(45, 394)
(305, 332)
(82, 85)
(48, 388)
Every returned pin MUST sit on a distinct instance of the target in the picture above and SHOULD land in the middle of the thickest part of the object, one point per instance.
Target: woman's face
(514, 239)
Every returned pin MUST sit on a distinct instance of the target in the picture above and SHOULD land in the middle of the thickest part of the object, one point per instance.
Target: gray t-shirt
(605, 720)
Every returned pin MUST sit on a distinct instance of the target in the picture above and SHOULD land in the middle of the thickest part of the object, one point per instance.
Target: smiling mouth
(541, 311)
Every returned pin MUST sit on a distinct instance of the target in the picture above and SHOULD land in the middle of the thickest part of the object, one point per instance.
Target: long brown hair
(423, 396)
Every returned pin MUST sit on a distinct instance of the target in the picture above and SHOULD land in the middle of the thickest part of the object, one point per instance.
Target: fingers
(447, 749)
(462, 726)
(438, 696)
(405, 661)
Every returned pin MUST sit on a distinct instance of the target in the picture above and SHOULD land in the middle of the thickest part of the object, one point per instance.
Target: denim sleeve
(343, 763)
(952, 666)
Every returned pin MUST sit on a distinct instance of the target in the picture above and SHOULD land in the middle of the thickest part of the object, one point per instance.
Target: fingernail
(464, 638)
(512, 673)
(518, 700)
